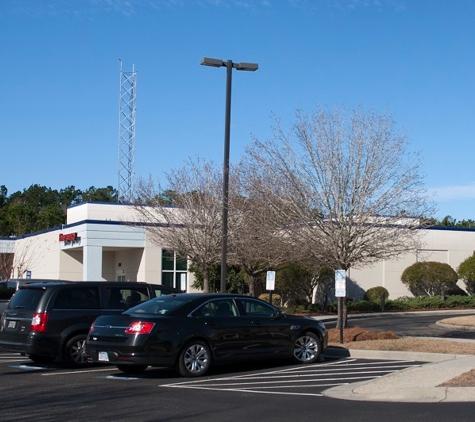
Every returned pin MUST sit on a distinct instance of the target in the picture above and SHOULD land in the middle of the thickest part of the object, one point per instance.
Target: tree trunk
(252, 286)
(345, 313)
(206, 281)
(342, 310)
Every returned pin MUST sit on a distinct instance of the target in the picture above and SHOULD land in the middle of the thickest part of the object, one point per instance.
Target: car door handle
(256, 322)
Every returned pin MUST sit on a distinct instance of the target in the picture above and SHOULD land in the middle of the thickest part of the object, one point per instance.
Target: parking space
(6, 358)
(308, 380)
(258, 378)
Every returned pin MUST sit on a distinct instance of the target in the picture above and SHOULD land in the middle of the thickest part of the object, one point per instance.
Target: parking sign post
(340, 293)
(270, 284)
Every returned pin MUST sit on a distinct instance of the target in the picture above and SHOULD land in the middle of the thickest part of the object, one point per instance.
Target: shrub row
(403, 304)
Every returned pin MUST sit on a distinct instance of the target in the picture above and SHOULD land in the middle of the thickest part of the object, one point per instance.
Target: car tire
(195, 359)
(307, 348)
(132, 369)
(42, 359)
(75, 351)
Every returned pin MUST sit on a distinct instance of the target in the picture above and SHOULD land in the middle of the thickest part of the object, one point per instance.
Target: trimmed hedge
(374, 294)
(403, 304)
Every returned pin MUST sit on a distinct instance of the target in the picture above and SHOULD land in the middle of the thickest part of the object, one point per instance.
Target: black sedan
(192, 331)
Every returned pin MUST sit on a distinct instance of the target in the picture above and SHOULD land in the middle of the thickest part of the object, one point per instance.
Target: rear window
(159, 306)
(26, 299)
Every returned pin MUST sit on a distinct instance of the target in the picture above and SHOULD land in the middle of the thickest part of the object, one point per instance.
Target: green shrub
(363, 306)
(400, 304)
(276, 299)
(426, 302)
(408, 303)
(396, 305)
(466, 271)
(374, 294)
(429, 278)
(311, 308)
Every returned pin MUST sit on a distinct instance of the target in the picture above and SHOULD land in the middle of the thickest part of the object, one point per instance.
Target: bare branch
(192, 224)
(344, 185)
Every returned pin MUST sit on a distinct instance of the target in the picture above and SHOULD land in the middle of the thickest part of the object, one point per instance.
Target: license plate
(11, 325)
(103, 357)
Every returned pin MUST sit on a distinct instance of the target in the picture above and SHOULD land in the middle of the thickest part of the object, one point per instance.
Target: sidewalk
(418, 384)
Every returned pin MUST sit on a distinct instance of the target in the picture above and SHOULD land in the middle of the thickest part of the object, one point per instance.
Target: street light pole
(227, 142)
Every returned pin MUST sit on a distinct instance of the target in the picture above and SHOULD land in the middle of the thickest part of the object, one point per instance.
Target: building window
(174, 270)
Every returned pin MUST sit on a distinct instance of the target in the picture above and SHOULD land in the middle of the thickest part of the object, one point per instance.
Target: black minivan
(48, 321)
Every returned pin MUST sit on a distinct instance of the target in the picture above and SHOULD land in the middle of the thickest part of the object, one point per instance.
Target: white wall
(447, 246)
(111, 243)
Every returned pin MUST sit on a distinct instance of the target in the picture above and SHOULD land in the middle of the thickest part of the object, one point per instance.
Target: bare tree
(27, 256)
(256, 242)
(346, 188)
(6, 265)
(191, 225)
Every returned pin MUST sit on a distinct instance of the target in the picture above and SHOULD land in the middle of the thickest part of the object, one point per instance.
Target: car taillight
(91, 328)
(139, 327)
(38, 322)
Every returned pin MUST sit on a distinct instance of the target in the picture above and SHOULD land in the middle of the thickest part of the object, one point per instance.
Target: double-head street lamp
(229, 65)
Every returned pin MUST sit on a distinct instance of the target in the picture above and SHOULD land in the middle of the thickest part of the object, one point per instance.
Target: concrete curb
(456, 327)
(419, 384)
(373, 314)
(390, 354)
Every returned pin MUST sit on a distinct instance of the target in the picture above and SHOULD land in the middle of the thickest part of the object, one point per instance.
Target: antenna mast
(127, 110)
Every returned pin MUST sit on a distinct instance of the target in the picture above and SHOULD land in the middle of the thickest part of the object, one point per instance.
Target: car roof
(210, 295)
(45, 283)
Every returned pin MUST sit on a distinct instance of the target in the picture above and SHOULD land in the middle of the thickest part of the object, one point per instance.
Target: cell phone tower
(127, 108)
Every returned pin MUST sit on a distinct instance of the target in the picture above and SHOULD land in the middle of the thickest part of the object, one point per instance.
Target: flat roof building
(98, 242)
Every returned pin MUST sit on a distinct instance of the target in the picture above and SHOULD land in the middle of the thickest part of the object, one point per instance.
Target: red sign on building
(70, 237)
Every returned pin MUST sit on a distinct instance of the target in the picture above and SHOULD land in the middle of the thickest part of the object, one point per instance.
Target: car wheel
(42, 359)
(132, 369)
(75, 351)
(195, 359)
(307, 348)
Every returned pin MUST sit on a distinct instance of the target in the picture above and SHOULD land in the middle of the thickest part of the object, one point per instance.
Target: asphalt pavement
(420, 384)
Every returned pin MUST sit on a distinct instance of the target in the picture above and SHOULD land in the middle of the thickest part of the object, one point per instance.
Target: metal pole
(340, 318)
(227, 131)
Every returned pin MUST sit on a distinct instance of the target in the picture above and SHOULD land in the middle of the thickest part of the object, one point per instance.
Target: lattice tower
(127, 108)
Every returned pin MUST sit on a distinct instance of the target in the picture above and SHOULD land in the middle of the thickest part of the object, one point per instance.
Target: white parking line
(27, 367)
(264, 383)
(79, 371)
(305, 378)
(118, 377)
(238, 390)
(351, 362)
(12, 357)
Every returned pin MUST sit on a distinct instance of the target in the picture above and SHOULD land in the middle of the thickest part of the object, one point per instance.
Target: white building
(98, 244)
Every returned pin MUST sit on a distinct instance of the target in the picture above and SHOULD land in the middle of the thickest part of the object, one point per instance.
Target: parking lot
(275, 378)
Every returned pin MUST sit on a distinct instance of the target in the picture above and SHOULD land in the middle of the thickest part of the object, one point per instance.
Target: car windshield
(159, 306)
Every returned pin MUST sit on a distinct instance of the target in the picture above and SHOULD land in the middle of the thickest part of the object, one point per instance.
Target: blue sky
(60, 81)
